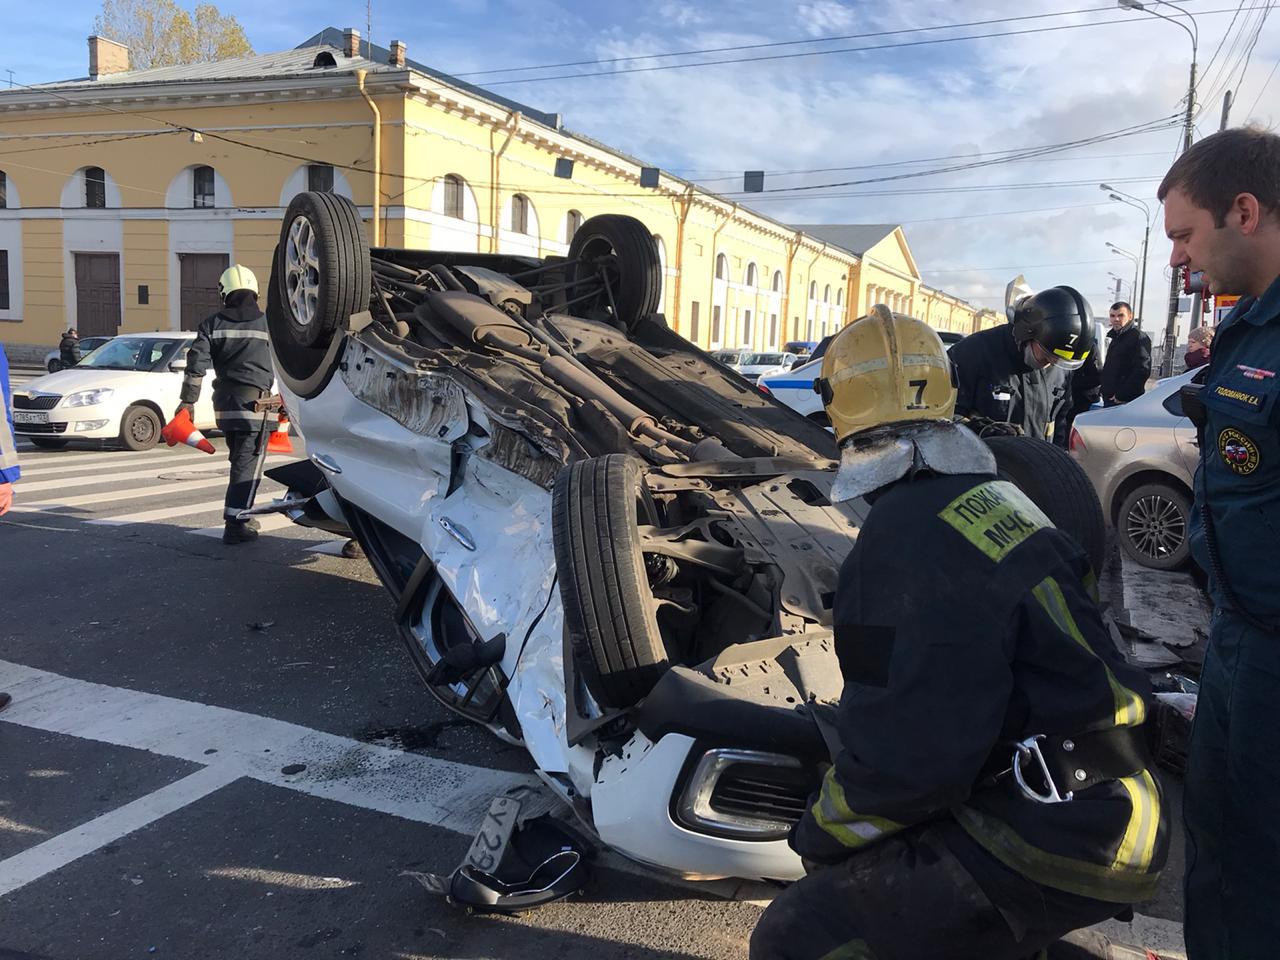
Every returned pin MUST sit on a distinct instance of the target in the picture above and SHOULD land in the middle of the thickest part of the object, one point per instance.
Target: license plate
(29, 416)
(494, 834)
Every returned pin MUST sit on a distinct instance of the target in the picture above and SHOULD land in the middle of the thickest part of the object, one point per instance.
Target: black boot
(234, 531)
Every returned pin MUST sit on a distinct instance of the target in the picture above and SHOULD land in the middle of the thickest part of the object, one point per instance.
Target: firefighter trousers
(915, 896)
(1231, 803)
(244, 449)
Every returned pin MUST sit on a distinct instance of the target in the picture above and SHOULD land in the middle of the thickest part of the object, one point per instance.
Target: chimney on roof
(107, 57)
(351, 42)
(397, 53)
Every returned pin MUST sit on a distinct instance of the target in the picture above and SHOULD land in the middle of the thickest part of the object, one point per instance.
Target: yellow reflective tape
(1091, 586)
(1130, 710)
(995, 517)
(832, 813)
(1072, 355)
(853, 950)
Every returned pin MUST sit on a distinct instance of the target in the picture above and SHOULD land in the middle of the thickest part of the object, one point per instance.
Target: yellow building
(126, 193)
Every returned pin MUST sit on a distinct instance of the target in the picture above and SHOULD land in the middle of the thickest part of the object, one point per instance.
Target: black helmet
(1059, 319)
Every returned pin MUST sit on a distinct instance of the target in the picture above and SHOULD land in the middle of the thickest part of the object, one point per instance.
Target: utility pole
(1117, 296)
(1197, 301)
(1227, 100)
(368, 29)
(1171, 328)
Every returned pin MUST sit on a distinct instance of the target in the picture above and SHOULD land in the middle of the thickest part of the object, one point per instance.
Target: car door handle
(326, 463)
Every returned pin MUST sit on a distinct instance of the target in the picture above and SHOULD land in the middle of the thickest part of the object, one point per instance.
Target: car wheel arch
(1140, 478)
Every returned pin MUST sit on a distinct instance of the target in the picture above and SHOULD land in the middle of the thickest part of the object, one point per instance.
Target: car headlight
(87, 398)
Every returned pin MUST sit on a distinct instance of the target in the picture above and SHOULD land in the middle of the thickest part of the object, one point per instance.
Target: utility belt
(1052, 769)
(236, 396)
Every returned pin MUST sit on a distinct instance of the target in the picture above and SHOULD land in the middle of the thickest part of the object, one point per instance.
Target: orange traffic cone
(181, 430)
(278, 442)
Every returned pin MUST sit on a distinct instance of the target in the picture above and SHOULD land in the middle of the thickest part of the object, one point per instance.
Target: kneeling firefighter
(991, 792)
(235, 341)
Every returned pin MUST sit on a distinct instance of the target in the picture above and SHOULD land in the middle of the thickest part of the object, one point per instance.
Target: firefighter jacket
(1128, 364)
(993, 381)
(234, 341)
(9, 469)
(964, 621)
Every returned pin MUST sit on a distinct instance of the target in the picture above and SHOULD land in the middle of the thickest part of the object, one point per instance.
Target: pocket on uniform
(1244, 393)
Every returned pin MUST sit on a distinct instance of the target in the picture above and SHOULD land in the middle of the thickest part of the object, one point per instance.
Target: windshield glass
(764, 360)
(134, 353)
(728, 356)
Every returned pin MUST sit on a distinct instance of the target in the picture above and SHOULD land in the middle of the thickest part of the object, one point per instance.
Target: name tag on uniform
(1003, 395)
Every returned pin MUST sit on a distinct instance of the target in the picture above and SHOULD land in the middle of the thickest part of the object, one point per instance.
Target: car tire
(622, 249)
(139, 428)
(324, 271)
(609, 612)
(1058, 485)
(54, 366)
(49, 443)
(1153, 524)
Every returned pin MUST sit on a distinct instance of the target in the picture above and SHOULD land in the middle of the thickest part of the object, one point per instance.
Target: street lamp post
(1127, 198)
(1188, 133)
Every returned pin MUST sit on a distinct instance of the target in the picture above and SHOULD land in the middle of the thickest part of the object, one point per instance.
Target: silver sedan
(1141, 459)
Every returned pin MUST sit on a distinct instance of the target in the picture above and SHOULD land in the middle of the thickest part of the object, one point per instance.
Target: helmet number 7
(918, 402)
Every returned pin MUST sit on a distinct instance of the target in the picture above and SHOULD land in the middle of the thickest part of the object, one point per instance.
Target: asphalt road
(224, 751)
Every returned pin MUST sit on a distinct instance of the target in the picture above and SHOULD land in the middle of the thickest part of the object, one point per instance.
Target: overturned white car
(601, 543)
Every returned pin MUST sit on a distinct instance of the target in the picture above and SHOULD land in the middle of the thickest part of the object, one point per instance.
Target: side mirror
(177, 366)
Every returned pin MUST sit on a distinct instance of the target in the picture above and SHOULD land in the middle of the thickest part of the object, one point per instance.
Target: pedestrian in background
(234, 341)
(1222, 212)
(1128, 363)
(69, 348)
(9, 469)
(1199, 342)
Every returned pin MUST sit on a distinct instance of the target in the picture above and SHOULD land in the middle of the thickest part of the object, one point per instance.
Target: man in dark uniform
(1019, 372)
(234, 340)
(1128, 365)
(69, 348)
(1222, 212)
(974, 658)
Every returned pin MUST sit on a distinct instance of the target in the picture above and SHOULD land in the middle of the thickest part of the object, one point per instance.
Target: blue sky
(970, 230)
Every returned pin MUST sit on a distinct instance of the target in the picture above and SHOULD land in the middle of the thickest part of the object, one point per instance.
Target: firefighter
(1019, 372)
(234, 340)
(991, 792)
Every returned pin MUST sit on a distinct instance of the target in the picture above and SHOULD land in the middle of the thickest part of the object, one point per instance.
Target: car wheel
(1058, 486)
(610, 613)
(49, 443)
(617, 256)
(1153, 525)
(54, 366)
(323, 264)
(139, 428)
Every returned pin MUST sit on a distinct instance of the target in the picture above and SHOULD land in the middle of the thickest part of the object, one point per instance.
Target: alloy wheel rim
(302, 272)
(1156, 527)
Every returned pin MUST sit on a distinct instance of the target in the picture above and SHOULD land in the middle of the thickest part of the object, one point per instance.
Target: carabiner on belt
(1030, 747)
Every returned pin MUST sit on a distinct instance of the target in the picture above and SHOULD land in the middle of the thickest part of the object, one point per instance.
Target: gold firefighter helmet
(237, 277)
(885, 368)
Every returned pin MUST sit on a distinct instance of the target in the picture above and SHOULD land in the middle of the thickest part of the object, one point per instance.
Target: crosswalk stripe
(163, 513)
(137, 493)
(122, 460)
(65, 483)
(269, 522)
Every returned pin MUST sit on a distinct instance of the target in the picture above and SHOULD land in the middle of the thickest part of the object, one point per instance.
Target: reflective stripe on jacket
(234, 342)
(964, 622)
(9, 469)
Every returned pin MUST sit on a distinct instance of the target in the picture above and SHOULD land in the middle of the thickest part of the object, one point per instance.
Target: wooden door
(199, 280)
(98, 294)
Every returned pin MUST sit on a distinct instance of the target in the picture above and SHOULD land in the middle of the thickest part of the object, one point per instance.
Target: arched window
(722, 267)
(752, 278)
(777, 281)
(202, 187)
(519, 213)
(839, 298)
(826, 293)
(813, 289)
(320, 177)
(454, 197)
(572, 224)
(4, 190)
(95, 188)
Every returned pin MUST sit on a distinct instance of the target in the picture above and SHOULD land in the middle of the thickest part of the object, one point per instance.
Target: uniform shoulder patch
(1238, 452)
(995, 517)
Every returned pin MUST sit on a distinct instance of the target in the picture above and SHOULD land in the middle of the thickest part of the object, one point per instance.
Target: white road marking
(424, 789)
(137, 493)
(164, 513)
(111, 461)
(35, 862)
(269, 522)
(150, 473)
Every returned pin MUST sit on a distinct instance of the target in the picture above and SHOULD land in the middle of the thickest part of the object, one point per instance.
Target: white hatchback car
(124, 390)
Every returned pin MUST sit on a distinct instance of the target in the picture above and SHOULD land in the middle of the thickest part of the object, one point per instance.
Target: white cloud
(826, 17)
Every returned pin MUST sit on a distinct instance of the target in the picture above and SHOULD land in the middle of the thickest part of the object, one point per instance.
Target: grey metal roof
(332, 36)
(855, 237)
(259, 66)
